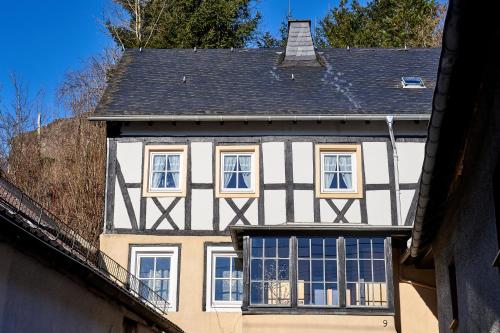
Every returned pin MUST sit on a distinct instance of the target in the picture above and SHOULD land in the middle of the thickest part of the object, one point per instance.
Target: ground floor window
(307, 272)
(156, 269)
(224, 280)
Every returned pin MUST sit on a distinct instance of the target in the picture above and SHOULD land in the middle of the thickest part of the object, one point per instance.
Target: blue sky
(45, 39)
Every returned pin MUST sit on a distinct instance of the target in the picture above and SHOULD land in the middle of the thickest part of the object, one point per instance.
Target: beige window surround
(251, 193)
(357, 171)
(146, 180)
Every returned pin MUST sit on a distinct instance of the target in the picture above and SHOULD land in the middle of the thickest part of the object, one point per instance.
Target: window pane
(173, 162)
(303, 270)
(351, 271)
(283, 245)
(256, 269)
(244, 180)
(237, 290)
(158, 180)
(378, 271)
(270, 247)
(172, 180)
(303, 247)
(145, 287)
(365, 270)
(331, 180)
(365, 248)
(257, 245)
(244, 163)
(221, 290)
(146, 267)
(318, 294)
(283, 269)
(345, 163)
(230, 179)
(345, 180)
(159, 162)
(330, 162)
(256, 293)
(331, 270)
(351, 248)
(351, 294)
(162, 267)
(229, 162)
(222, 268)
(237, 268)
(330, 248)
(269, 269)
(332, 294)
(307, 293)
(317, 270)
(378, 248)
(161, 287)
(317, 247)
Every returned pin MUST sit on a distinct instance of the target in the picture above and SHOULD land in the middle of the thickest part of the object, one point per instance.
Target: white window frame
(171, 252)
(353, 171)
(149, 152)
(251, 189)
(210, 304)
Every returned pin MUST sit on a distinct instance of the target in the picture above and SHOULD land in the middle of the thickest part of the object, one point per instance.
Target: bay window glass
(270, 271)
(366, 281)
(317, 282)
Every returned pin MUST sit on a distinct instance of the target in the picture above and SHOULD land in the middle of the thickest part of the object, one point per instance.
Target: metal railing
(66, 239)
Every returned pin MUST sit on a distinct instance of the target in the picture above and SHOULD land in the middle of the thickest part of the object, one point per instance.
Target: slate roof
(252, 82)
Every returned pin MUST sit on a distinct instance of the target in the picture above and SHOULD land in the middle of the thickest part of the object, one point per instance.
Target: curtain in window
(244, 162)
(159, 164)
(173, 166)
(330, 165)
(345, 165)
(229, 165)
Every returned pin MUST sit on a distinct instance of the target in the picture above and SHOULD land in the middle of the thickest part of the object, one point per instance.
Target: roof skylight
(412, 82)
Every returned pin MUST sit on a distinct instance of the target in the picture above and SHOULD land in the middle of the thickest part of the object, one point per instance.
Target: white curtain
(330, 165)
(159, 164)
(245, 176)
(173, 166)
(229, 165)
(345, 165)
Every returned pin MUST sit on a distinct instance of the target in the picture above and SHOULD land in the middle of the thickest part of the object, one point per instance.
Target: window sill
(339, 195)
(273, 310)
(159, 194)
(236, 194)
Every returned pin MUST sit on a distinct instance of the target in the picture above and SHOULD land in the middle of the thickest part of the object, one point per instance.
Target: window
(412, 82)
(164, 170)
(237, 171)
(156, 267)
(304, 272)
(269, 271)
(224, 287)
(365, 272)
(317, 282)
(338, 171)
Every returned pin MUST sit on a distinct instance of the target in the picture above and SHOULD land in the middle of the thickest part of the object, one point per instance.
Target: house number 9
(385, 323)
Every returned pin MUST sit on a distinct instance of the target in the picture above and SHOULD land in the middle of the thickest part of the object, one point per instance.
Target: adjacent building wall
(37, 298)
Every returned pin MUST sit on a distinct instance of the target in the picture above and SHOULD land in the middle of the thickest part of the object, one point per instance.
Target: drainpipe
(390, 121)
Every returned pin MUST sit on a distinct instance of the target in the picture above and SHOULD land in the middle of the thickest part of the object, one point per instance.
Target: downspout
(390, 121)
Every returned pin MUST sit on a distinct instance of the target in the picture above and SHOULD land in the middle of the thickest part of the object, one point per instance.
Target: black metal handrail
(72, 242)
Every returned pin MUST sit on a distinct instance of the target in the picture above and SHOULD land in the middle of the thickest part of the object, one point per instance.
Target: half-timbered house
(265, 190)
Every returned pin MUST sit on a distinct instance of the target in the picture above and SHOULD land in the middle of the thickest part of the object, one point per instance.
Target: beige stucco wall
(37, 298)
(414, 303)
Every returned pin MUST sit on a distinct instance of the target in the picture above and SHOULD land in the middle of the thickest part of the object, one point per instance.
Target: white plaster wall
(178, 215)
(326, 213)
(302, 157)
(202, 202)
(129, 155)
(411, 157)
(375, 163)
(274, 162)
(275, 206)
(406, 199)
(152, 212)
(201, 162)
(353, 214)
(135, 199)
(378, 206)
(303, 205)
(120, 215)
(226, 213)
